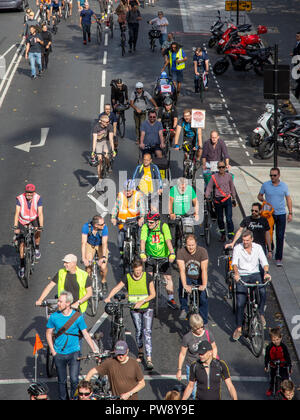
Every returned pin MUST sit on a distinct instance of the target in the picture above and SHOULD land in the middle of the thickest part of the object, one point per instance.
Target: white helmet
(139, 85)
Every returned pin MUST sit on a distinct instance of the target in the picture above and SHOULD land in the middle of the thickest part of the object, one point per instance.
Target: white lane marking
(7, 51)
(106, 40)
(103, 78)
(102, 98)
(27, 146)
(105, 58)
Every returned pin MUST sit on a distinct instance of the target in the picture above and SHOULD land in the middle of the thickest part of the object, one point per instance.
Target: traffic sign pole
(276, 107)
(237, 12)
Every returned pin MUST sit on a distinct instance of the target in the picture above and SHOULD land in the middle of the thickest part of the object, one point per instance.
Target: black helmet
(37, 388)
(119, 82)
(110, 308)
(94, 161)
(168, 101)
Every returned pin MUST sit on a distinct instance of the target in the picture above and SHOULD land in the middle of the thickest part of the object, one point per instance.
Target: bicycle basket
(188, 225)
(154, 33)
(122, 107)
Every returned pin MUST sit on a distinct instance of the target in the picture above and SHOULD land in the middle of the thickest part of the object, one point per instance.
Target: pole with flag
(38, 345)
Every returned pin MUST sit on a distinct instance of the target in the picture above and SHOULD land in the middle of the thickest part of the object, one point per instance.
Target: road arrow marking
(25, 147)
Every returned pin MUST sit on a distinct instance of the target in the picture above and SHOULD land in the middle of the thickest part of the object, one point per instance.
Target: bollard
(2, 328)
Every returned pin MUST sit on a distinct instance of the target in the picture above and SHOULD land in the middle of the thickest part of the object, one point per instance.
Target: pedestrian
(246, 260)
(214, 150)
(165, 49)
(121, 12)
(152, 138)
(124, 373)
(176, 61)
(85, 22)
(295, 53)
(141, 292)
(33, 51)
(63, 333)
(161, 22)
(277, 194)
(275, 351)
(47, 46)
(192, 261)
(208, 367)
(189, 347)
(29, 20)
(71, 279)
(133, 17)
(139, 101)
(224, 199)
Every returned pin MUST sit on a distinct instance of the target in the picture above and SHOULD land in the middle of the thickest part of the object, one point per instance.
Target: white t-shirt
(249, 263)
(158, 22)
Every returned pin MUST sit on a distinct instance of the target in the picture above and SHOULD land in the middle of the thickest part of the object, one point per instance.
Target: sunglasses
(273, 175)
(221, 167)
(84, 394)
(255, 211)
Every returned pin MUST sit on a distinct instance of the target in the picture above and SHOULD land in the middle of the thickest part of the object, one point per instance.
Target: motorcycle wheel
(259, 69)
(266, 148)
(211, 42)
(220, 67)
(255, 139)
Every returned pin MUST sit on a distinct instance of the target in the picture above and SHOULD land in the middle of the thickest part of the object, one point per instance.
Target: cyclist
(55, 7)
(29, 210)
(70, 6)
(121, 12)
(80, 4)
(182, 198)
(193, 136)
(193, 263)
(214, 150)
(119, 93)
(224, 199)
(94, 238)
(38, 392)
(124, 373)
(152, 139)
(164, 88)
(103, 141)
(133, 18)
(201, 66)
(176, 60)
(245, 263)
(148, 180)
(162, 25)
(156, 241)
(141, 292)
(112, 119)
(168, 116)
(41, 4)
(139, 101)
(129, 205)
(71, 279)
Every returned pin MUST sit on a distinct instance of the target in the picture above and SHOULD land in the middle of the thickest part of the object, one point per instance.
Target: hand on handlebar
(229, 245)
(188, 288)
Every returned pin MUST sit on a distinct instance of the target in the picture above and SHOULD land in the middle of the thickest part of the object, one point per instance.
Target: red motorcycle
(247, 40)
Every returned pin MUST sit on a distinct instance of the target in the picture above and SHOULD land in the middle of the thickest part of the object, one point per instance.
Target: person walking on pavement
(66, 327)
(85, 22)
(47, 46)
(192, 262)
(162, 25)
(176, 61)
(33, 51)
(277, 194)
(246, 260)
(71, 279)
(121, 12)
(224, 199)
(208, 367)
(124, 373)
(133, 17)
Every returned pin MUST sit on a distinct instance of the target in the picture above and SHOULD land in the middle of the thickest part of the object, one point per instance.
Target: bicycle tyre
(99, 35)
(50, 364)
(27, 272)
(111, 26)
(256, 335)
(95, 296)
(201, 89)
(234, 299)
(152, 45)
(121, 126)
(123, 49)
(157, 297)
(66, 11)
(277, 385)
(207, 233)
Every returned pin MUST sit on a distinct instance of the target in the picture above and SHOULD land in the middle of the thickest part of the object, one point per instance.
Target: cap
(30, 188)
(204, 347)
(139, 85)
(121, 348)
(70, 258)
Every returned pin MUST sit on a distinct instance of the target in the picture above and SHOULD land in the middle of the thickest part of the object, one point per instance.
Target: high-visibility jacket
(179, 56)
(27, 214)
(267, 212)
(81, 278)
(126, 210)
(137, 290)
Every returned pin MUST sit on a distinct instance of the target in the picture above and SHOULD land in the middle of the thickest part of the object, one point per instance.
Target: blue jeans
(35, 58)
(280, 224)
(220, 207)
(62, 361)
(241, 295)
(162, 39)
(188, 369)
(203, 301)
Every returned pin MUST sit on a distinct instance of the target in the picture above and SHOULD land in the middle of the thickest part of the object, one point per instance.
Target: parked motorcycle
(288, 140)
(216, 30)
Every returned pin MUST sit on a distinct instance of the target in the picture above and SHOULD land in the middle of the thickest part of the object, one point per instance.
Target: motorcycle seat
(290, 117)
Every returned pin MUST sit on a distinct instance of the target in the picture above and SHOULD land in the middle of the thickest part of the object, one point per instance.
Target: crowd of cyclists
(158, 128)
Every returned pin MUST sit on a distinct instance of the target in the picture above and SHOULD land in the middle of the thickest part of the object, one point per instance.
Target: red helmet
(153, 217)
(30, 188)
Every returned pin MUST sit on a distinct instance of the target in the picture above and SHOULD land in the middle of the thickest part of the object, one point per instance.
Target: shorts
(91, 250)
(165, 269)
(23, 231)
(103, 147)
(177, 75)
(150, 148)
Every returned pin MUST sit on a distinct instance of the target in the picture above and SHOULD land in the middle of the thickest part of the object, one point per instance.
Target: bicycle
(278, 379)
(153, 34)
(253, 329)
(96, 285)
(55, 21)
(167, 136)
(99, 30)
(130, 245)
(121, 120)
(66, 12)
(51, 307)
(123, 40)
(184, 227)
(116, 311)
(158, 280)
(43, 12)
(107, 164)
(201, 87)
(207, 221)
(229, 276)
(189, 167)
(29, 253)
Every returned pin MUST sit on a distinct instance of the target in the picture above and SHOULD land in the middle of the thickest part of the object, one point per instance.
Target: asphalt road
(66, 100)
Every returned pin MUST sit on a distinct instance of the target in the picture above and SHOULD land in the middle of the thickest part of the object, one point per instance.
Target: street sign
(244, 6)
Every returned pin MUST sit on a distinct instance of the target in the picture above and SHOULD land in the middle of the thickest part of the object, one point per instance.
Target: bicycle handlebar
(106, 397)
(91, 356)
(49, 302)
(255, 284)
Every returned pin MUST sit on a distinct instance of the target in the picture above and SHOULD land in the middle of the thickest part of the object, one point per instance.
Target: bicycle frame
(194, 301)
(157, 278)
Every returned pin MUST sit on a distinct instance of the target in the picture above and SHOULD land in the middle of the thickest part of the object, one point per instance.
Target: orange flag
(38, 345)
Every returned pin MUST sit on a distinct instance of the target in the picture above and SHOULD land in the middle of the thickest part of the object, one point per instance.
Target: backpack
(142, 97)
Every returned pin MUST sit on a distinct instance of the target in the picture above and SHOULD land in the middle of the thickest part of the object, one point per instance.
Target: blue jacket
(155, 174)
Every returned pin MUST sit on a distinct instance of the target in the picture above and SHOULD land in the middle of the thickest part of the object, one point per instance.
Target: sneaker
(37, 254)
(172, 304)
(33, 77)
(21, 272)
(279, 263)
(183, 315)
(269, 393)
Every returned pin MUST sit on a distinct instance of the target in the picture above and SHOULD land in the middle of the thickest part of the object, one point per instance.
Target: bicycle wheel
(111, 26)
(99, 34)
(152, 44)
(201, 88)
(50, 364)
(121, 125)
(157, 297)
(233, 292)
(95, 296)
(206, 226)
(256, 335)
(28, 262)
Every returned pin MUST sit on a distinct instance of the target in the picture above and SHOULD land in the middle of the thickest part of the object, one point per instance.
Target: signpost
(238, 6)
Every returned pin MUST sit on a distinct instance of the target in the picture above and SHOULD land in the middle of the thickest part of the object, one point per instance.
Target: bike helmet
(110, 308)
(94, 161)
(37, 388)
(30, 188)
(163, 75)
(153, 217)
(168, 101)
(119, 82)
(139, 85)
(129, 185)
